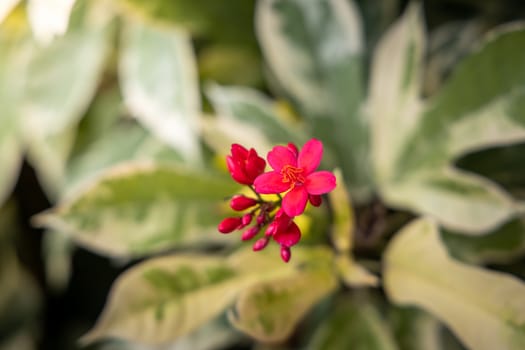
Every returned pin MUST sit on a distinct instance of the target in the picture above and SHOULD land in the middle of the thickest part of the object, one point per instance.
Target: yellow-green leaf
(353, 274)
(355, 323)
(485, 309)
(314, 49)
(344, 221)
(165, 298)
(139, 208)
(269, 311)
(158, 75)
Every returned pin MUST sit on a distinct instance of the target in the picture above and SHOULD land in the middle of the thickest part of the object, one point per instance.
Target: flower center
(292, 174)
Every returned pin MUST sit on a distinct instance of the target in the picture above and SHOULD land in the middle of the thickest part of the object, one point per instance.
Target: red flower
(294, 172)
(244, 165)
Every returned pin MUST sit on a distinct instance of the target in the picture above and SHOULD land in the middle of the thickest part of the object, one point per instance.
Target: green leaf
(10, 155)
(354, 324)
(415, 329)
(503, 165)
(448, 44)
(269, 311)
(460, 118)
(49, 19)
(119, 144)
(49, 157)
(57, 252)
(104, 112)
(213, 335)
(483, 308)
(217, 334)
(230, 65)
(460, 201)
(250, 109)
(314, 50)
(159, 84)
(6, 7)
(342, 236)
(353, 274)
(165, 298)
(377, 16)
(418, 175)
(140, 208)
(344, 219)
(223, 20)
(59, 87)
(10, 144)
(19, 295)
(501, 246)
(393, 103)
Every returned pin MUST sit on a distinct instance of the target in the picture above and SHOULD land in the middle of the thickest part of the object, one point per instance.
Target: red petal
(310, 155)
(237, 172)
(294, 201)
(280, 156)
(239, 152)
(254, 165)
(289, 237)
(270, 183)
(320, 182)
(281, 220)
(293, 148)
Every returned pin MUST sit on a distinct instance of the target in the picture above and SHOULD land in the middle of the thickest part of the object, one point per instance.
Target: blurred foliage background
(87, 86)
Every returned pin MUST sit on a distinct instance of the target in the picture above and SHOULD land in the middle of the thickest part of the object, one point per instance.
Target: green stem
(257, 194)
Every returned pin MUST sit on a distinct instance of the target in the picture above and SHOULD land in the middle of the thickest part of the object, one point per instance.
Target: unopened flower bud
(250, 233)
(260, 244)
(261, 218)
(286, 253)
(316, 200)
(240, 202)
(229, 224)
(246, 219)
(271, 229)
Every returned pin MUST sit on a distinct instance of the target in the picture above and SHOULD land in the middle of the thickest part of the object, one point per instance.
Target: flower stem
(257, 194)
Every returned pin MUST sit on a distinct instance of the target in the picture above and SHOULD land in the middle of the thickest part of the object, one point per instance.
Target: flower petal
(254, 164)
(280, 156)
(320, 182)
(294, 201)
(270, 183)
(310, 156)
(239, 152)
(288, 237)
(236, 171)
(292, 147)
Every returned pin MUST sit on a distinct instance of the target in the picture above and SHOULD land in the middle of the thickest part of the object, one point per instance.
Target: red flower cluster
(293, 176)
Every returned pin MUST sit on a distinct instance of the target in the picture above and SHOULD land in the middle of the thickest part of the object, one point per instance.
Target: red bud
(260, 244)
(316, 200)
(240, 202)
(246, 219)
(286, 253)
(250, 233)
(229, 224)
